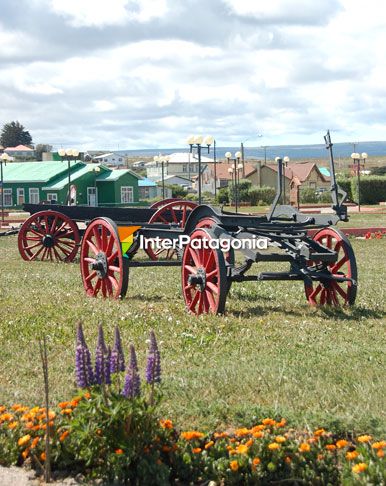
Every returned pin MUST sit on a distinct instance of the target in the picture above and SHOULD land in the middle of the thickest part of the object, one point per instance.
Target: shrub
(373, 189)
(261, 195)
(222, 196)
(308, 195)
(345, 184)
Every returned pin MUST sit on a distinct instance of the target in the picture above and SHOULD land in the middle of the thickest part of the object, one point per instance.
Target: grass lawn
(271, 354)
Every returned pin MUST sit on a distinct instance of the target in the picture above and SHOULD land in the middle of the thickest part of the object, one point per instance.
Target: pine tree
(14, 134)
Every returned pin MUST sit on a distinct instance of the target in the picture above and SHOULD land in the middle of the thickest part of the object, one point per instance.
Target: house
(149, 189)
(220, 170)
(176, 180)
(20, 151)
(90, 184)
(181, 164)
(110, 158)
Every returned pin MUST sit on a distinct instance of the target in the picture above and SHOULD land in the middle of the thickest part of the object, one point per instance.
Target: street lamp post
(237, 166)
(286, 159)
(264, 147)
(198, 142)
(69, 155)
(259, 135)
(4, 158)
(162, 160)
(97, 169)
(357, 160)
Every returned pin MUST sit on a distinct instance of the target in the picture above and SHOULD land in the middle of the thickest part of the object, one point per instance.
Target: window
(184, 167)
(34, 195)
(126, 194)
(20, 196)
(7, 197)
(52, 196)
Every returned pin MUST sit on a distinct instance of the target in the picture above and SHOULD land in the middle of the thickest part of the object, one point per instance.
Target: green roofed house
(90, 184)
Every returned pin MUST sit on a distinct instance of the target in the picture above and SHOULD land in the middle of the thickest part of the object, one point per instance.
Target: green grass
(270, 354)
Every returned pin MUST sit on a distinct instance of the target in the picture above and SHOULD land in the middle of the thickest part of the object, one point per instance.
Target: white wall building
(182, 164)
(110, 158)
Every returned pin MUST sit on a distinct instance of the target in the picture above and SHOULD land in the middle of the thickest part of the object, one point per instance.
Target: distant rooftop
(19, 148)
(34, 171)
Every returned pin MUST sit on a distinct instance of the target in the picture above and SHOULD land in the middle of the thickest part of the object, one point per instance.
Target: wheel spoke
(90, 276)
(316, 292)
(211, 301)
(93, 248)
(338, 265)
(113, 268)
(210, 260)
(211, 274)
(213, 287)
(97, 286)
(114, 282)
(340, 291)
(112, 257)
(195, 257)
(191, 270)
(32, 246)
(194, 301)
(97, 239)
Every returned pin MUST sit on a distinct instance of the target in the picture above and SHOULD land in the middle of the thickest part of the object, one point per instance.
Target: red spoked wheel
(331, 292)
(163, 202)
(209, 222)
(204, 279)
(176, 212)
(49, 235)
(103, 266)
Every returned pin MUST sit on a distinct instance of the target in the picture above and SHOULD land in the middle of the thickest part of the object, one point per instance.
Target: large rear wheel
(331, 292)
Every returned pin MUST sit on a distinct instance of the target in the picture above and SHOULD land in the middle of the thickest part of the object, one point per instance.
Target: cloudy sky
(126, 74)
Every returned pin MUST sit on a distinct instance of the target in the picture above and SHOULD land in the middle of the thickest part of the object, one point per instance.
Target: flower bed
(111, 430)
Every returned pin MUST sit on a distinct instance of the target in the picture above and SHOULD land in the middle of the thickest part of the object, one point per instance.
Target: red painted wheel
(103, 266)
(209, 222)
(204, 279)
(331, 292)
(163, 202)
(49, 235)
(176, 212)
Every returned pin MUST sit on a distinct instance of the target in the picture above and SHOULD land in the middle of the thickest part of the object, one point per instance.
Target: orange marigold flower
(22, 409)
(229, 447)
(16, 406)
(220, 435)
(288, 460)
(379, 445)
(34, 410)
(256, 461)
(340, 444)
(350, 456)
(29, 425)
(232, 452)
(34, 443)
(209, 444)
(2, 409)
(330, 447)
(6, 417)
(196, 450)
(358, 468)
(273, 446)
(25, 454)
(66, 411)
(380, 453)
(234, 465)
(87, 395)
(63, 404)
(118, 451)
(319, 432)
(320, 457)
(43, 456)
(166, 424)
(304, 447)
(282, 423)
(268, 421)
(192, 434)
(280, 439)
(242, 432)
(12, 425)
(63, 436)
(257, 428)
(249, 443)
(364, 438)
(242, 449)
(258, 435)
(24, 440)
(312, 440)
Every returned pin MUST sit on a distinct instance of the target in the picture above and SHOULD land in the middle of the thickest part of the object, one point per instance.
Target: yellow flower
(16, 406)
(242, 449)
(249, 443)
(273, 446)
(379, 445)
(12, 425)
(282, 423)
(340, 444)
(304, 447)
(2, 409)
(319, 432)
(6, 417)
(258, 434)
(220, 435)
(350, 456)
(234, 465)
(280, 439)
(66, 411)
(358, 468)
(192, 434)
(268, 421)
(330, 447)
(24, 440)
(364, 438)
(209, 444)
(242, 432)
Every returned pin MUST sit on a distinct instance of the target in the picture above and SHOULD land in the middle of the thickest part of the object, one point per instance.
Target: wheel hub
(48, 241)
(100, 265)
(199, 279)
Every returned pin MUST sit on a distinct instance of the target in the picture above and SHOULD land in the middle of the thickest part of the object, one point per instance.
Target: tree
(14, 134)
(40, 148)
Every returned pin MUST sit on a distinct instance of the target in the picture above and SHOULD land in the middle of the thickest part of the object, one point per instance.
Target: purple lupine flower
(153, 365)
(117, 362)
(106, 364)
(84, 373)
(101, 339)
(99, 365)
(80, 367)
(132, 386)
